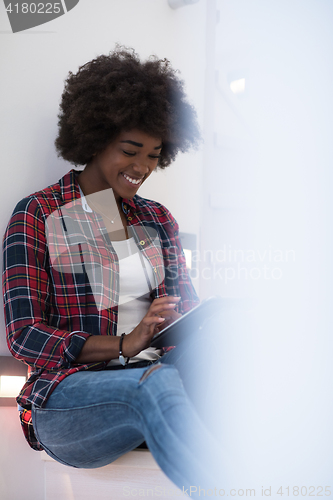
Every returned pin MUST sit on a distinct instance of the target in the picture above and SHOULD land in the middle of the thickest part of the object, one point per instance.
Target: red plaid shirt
(49, 314)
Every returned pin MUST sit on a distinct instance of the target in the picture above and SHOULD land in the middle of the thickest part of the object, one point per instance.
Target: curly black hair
(117, 92)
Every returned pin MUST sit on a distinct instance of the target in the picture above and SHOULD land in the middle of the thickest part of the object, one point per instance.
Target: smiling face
(123, 166)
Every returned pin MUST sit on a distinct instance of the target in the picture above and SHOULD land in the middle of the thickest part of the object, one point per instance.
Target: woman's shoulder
(47, 200)
(36, 207)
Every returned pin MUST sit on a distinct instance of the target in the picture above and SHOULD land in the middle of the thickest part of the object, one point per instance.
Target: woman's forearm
(99, 348)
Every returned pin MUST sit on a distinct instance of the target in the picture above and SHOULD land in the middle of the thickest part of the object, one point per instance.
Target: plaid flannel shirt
(50, 313)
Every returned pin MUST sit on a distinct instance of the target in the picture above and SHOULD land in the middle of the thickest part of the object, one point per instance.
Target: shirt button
(142, 242)
(155, 270)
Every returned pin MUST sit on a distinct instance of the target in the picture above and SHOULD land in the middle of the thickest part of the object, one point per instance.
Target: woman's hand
(105, 347)
(170, 316)
(160, 314)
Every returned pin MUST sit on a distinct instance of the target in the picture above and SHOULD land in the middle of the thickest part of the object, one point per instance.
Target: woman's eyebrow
(139, 145)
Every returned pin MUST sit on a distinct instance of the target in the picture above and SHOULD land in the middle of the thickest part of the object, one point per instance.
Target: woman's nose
(140, 166)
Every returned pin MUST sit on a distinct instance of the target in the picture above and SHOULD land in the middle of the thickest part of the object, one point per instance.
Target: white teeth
(133, 181)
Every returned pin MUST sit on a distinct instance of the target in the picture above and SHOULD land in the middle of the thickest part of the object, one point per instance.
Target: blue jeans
(94, 417)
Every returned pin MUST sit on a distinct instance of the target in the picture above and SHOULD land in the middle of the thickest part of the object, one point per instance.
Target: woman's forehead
(138, 138)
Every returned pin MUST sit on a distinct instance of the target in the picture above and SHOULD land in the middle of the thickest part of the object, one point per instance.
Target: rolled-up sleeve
(27, 288)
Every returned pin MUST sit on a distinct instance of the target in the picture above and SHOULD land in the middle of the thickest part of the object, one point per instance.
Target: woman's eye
(153, 157)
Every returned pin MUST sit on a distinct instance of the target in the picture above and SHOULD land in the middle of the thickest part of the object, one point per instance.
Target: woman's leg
(92, 418)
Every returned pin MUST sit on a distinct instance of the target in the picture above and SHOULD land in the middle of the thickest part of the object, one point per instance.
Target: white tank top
(134, 294)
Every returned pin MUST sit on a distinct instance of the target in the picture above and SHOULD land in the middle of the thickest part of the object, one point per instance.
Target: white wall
(34, 65)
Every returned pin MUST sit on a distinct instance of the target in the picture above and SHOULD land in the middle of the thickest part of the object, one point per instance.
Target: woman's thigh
(92, 418)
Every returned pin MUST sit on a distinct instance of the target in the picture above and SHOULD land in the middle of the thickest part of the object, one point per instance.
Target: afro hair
(118, 92)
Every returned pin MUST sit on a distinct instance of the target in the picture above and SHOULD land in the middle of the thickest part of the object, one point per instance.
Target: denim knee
(161, 395)
(160, 378)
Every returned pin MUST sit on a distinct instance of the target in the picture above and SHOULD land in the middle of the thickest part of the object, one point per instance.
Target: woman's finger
(159, 305)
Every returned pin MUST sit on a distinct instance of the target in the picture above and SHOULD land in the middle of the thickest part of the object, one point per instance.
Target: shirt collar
(84, 202)
(127, 204)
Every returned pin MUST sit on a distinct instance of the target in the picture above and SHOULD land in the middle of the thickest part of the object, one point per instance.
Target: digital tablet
(188, 323)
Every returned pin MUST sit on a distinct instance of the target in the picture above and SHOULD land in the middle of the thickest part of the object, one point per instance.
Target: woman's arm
(103, 348)
(26, 290)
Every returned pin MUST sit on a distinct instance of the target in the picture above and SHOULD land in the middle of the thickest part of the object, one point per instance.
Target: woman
(92, 271)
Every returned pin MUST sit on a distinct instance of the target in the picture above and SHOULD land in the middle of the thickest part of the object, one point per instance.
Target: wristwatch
(121, 356)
